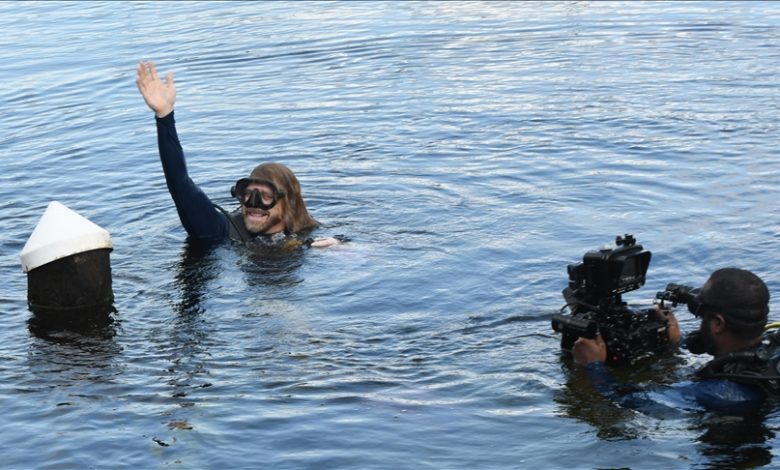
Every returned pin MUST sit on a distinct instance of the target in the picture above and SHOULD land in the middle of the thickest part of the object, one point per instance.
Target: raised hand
(159, 96)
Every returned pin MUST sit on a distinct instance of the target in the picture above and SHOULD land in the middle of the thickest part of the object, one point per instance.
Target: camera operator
(733, 306)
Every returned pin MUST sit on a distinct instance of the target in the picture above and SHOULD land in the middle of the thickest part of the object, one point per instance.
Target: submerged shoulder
(725, 393)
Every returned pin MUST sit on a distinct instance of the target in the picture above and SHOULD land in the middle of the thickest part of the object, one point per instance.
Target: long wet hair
(295, 216)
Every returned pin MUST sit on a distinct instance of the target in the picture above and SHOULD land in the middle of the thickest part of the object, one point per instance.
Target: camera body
(594, 298)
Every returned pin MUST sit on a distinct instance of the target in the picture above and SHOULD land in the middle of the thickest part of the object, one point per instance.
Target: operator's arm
(196, 211)
(715, 395)
(712, 394)
(722, 394)
(592, 355)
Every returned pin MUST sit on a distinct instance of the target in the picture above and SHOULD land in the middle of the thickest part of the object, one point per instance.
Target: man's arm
(723, 395)
(195, 209)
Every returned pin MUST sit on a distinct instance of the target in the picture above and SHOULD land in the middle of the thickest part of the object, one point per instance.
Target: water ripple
(470, 151)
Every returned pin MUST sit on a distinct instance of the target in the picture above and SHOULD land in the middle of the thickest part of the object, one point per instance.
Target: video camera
(677, 294)
(594, 298)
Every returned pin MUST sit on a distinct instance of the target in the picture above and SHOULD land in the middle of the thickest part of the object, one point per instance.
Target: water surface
(470, 151)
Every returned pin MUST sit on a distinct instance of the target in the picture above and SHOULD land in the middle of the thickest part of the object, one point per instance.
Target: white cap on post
(60, 233)
(68, 268)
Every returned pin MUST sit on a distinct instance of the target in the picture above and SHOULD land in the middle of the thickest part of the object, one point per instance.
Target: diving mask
(264, 199)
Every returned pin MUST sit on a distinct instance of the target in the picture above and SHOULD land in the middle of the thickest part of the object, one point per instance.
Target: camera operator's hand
(587, 350)
(673, 327)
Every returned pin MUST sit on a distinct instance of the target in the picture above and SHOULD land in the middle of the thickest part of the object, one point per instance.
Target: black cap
(737, 294)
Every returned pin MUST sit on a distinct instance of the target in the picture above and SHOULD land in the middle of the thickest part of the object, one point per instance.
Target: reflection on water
(99, 326)
(195, 268)
(578, 400)
(198, 272)
(272, 267)
(731, 442)
(72, 356)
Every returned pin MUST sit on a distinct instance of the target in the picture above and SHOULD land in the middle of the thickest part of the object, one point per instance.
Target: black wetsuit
(712, 394)
(196, 211)
(201, 218)
(736, 381)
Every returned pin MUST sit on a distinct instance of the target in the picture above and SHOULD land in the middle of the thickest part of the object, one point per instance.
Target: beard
(258, 221)
(701, 341)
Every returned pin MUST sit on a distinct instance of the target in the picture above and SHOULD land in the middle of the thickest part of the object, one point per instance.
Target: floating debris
(182, 425)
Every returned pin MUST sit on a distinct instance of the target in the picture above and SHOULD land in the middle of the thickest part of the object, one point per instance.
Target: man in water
(733, 306)
(272, 209)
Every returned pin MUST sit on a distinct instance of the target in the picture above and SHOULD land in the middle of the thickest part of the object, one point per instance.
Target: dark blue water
(470, 151)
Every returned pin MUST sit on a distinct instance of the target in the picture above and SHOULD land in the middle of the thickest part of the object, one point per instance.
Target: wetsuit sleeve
(721, 395)
(724, 395)
(602, 380)
(196, 211)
